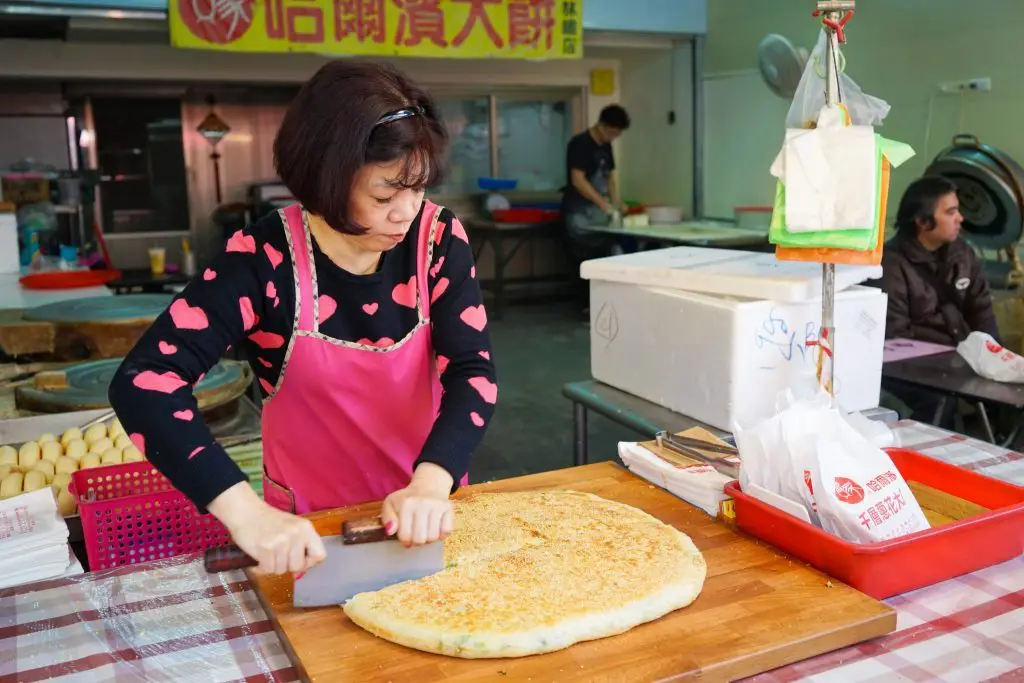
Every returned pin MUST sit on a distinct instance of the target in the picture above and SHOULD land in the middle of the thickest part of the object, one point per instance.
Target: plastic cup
(157, 260)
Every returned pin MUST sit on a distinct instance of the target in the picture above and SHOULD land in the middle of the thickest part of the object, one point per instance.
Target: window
(532, 130)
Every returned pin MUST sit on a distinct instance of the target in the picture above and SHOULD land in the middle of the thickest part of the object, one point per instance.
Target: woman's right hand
(282, 543)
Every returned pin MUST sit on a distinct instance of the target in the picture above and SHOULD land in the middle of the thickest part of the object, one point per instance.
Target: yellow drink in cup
(157, 257)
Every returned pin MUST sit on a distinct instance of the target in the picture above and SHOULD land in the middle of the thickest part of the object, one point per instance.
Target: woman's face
(386, 209)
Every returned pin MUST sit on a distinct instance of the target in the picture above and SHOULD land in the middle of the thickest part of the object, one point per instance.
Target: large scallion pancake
(528, 573)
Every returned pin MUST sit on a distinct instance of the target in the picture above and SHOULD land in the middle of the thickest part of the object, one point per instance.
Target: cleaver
(363, 558)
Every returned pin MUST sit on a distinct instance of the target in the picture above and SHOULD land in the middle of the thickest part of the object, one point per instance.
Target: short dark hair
(614, 116)
(917, 207)
(334, 126)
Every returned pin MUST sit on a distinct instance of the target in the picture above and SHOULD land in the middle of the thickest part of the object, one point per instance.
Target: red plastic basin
(890, 568)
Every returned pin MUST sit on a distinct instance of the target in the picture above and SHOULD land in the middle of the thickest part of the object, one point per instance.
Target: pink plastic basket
(131, 513)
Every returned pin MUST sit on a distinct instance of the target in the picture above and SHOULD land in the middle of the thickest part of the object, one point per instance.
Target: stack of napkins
(698, 484)
(33, 540)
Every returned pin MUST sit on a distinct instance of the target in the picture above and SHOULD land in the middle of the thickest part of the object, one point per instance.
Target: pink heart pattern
(266, 340)
(249, 317)
(404, 293)
(267, 386)
(436, 268)
(163, 382)
(487, 389)
(370, 309)
(459, 231)
(265, 363)
(167, 349)
(442, 364)
(328, 306)
(185, 415)
(438, 232)
(209, 274)
(273, 255)
(475, 317)
(472, 272)
(477, 420)
(381, 343)
(196, 452)
(440, 288)
(187, 317)
(139, 442)
(486, 355)
(242, 243)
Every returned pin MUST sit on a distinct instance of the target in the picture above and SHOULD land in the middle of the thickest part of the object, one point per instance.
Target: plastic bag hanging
(809, 99)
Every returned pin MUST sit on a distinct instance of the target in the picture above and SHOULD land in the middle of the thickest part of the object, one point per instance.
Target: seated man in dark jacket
(937, 292)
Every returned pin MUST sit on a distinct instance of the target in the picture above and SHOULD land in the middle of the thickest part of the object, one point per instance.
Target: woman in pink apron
(361, 316)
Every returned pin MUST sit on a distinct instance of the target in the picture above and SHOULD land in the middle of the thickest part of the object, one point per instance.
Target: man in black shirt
(592, 194)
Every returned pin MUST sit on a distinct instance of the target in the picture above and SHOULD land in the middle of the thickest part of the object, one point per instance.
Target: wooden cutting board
(759, 610)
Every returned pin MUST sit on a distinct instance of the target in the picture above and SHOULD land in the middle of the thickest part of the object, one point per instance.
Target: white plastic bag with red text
(990, 360)
(859, 494)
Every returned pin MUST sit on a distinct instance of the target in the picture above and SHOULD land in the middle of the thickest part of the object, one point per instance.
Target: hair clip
(416, 110)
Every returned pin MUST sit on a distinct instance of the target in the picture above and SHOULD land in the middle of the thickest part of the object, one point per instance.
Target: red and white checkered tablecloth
(174, 622)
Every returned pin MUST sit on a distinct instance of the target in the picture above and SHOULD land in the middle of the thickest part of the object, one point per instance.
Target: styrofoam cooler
(722, 358)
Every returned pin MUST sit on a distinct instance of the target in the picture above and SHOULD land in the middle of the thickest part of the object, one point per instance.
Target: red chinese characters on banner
(284, 22)
(362, 19)
(217, 21)
(478, 14)
(530, 22)
(420, 20)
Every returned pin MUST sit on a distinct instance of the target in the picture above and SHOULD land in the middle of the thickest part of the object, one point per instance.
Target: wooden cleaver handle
(366, 530)
(225, 558)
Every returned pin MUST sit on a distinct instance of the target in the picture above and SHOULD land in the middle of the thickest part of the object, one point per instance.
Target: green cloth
(856, 239)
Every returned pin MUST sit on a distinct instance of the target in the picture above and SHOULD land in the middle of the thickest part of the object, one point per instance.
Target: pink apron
(347, 420)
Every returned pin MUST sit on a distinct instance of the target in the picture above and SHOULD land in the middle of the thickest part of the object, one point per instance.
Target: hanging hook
(838, 26)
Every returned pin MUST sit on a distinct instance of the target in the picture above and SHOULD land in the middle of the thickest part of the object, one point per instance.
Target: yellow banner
(468, 29)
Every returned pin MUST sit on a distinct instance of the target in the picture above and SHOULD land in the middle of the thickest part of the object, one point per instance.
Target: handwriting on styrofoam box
(780, 341)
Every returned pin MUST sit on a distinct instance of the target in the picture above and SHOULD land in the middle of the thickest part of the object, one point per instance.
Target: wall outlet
(970, 85)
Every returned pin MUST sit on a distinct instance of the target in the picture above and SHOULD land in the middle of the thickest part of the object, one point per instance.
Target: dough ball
(95, 433)
(60, 481)
(122, 441)
(66, 503)
(88, 461)
(100, 446)
(11, 485)
(29, 454)
(34, 480)
(111, 456)
(76, 449)
(133, 454)
(115, 429)
(51, 451)
(47, 468)
(8, 455)
(65, 465)
(70, 435)
(46, 438)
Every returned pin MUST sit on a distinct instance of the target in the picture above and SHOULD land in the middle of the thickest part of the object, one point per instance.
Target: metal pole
(833, 13)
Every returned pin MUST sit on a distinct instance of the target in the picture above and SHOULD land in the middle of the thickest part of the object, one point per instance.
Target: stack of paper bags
(832, 192)
(33, 540)
(697, 483)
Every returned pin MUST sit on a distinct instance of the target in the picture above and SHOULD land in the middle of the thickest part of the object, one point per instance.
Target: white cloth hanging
(831, 175)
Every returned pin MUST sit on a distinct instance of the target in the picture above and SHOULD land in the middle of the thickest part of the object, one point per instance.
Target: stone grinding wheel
(81, 329)
(84, 387)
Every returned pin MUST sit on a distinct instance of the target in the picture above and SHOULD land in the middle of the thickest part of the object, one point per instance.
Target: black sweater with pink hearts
(246, 298)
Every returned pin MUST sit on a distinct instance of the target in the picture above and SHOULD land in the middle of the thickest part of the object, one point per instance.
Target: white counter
(13, 295)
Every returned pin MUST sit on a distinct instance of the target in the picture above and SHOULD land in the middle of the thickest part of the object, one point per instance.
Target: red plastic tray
(883, 570)
(525, 215)
(131, 513)
(69, 279)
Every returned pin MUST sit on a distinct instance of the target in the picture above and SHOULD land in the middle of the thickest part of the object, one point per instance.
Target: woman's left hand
(421, 512)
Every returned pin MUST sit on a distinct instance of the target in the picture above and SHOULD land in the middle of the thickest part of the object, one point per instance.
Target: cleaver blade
(350, 569)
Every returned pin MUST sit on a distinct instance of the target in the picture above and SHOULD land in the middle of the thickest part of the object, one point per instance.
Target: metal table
(506, 239)
(949, 374)
(642, 416)
(695, 233)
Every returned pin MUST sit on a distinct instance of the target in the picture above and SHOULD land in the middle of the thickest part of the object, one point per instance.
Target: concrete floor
(537, 349)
